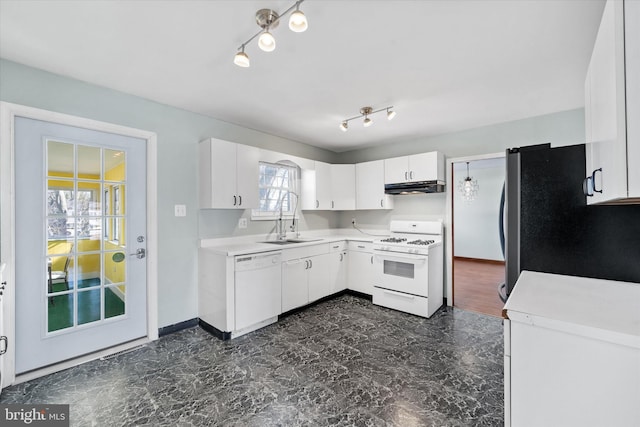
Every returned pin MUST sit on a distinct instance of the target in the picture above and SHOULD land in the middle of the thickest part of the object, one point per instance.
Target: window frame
(293, 186)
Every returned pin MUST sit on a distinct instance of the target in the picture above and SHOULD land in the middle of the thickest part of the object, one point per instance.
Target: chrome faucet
(280, 229)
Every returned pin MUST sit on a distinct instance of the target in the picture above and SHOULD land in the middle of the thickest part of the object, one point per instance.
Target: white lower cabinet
(360, 267)
(305, 275)
(572, 352)
(295, 286)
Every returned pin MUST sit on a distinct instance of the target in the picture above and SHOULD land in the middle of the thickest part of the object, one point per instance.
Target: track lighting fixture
(366, 112)
(267, 20)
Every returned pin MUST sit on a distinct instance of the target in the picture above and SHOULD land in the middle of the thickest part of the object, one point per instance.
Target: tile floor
(344, 362)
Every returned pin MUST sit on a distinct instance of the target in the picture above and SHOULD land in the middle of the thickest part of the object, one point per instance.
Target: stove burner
(421, 242)
(393, 240)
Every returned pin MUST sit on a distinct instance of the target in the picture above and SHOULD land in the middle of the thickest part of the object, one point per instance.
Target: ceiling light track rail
(366, 112)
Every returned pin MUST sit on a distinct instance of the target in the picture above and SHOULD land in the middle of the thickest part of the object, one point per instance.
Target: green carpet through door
(61, 310)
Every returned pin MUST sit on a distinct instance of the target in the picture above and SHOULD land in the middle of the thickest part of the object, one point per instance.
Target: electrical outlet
(353, 221)
(242, 223)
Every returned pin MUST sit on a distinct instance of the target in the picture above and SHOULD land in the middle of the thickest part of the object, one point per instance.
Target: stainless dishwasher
(258, 288)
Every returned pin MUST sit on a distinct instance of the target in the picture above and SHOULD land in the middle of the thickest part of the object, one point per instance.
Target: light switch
(180, 210)
(242, 223)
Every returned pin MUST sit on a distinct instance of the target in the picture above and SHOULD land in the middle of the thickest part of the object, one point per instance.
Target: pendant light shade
(241, 59)
(298, 22)
(468, 187)
(266, 41)
(390, 114)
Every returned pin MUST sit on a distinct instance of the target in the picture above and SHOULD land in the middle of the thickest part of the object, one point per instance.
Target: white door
(80, 215)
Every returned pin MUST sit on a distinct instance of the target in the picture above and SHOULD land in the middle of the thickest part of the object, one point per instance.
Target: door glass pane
(89, 306)
(88, 269)
(114, 165)
(60, 159)
(60, 312)
(89, 162)
(399, 269)
(59, 273)
(114, 301)
(115, 264)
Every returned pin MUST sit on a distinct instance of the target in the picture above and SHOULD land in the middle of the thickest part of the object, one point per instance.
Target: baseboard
(358, 294)
(224, 336)
(166, 330)
(480, 260)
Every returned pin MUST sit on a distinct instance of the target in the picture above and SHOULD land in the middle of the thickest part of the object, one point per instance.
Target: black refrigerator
(547, 225)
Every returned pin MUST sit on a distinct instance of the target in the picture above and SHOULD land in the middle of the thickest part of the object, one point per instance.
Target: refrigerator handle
(501, 221)
(587, 187)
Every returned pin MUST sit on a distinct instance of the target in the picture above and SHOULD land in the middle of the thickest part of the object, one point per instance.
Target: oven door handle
(407, 258)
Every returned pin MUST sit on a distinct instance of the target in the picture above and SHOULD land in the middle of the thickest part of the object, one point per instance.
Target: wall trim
(449, 228)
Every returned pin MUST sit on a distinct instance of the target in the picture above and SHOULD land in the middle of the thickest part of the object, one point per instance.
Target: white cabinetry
(417, 167)
(329, 187)
(343, 187)
(337, 268)
(572, 352)
(228, 175)
(612, 107)
(305, 274)
(370, 186)
(360, 268)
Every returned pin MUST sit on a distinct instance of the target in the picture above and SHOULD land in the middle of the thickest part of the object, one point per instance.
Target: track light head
(390, 114)
(344, 126)
(367, 122)
(297, 20)
(267, 42)
(241, 59)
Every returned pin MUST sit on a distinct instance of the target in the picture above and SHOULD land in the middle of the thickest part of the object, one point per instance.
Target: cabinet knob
(405, 176)
(235, 200)
(382, 203)
(332, 204)
(240, 200)
(317, 204)
(371, 259)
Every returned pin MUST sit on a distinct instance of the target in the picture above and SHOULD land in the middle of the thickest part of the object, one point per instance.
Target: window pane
(60, 159)
(114, 165)
(89, 306)
(114, 301)
(88, 162)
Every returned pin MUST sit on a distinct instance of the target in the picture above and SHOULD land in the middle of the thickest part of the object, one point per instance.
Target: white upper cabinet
(329, 187)
(228, 175)
(417, 167)
(370, 186)
(612, 106)
(343, 187)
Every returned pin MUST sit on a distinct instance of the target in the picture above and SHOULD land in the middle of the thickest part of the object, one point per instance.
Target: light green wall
(178, 134)
(563, 128)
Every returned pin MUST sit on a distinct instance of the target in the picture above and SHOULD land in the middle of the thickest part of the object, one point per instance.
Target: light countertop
(603, 309)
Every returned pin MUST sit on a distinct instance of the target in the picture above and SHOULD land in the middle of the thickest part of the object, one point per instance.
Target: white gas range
(409, 267)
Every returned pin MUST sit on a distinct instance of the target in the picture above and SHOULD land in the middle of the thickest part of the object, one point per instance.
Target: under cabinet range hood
(416, 187)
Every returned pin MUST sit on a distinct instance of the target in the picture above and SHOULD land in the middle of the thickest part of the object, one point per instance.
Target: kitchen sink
(291, 241)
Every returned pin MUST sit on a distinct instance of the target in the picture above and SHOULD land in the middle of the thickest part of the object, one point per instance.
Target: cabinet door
(396, 170)
(247, 173)
(223, 174)
(370, 186)
(360, 272)
(318, 274)
(426, 167)
(343, 187)
(338, 272)
(606, 128)
(632, 74)
(295, 288)
(323, 186)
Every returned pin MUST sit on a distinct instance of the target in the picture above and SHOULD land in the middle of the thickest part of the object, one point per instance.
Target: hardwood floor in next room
(475, 285)
(343, 362)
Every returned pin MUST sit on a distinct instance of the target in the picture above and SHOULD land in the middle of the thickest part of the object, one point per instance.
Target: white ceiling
(445, 65)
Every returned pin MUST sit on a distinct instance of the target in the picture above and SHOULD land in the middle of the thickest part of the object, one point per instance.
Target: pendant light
(468, 187)
(266, 41)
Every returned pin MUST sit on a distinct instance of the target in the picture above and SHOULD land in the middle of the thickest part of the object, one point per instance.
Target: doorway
(76, 236)
(478, 266)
